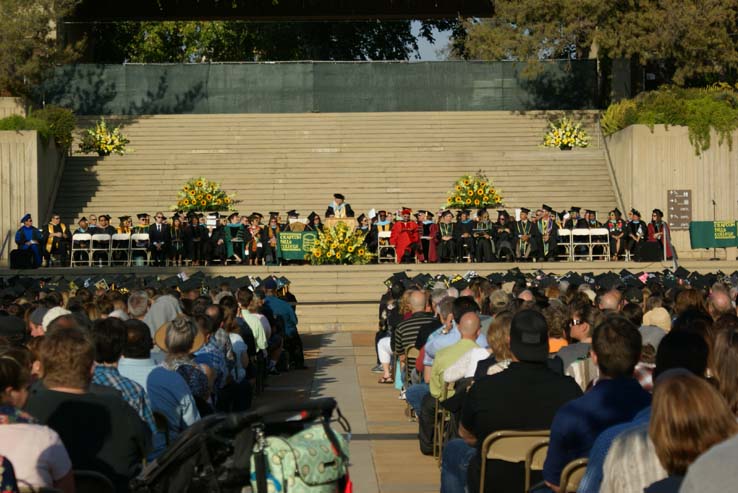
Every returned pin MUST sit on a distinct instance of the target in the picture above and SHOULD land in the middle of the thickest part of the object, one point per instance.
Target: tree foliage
(693, 40)
(149, 42)
(28, 43)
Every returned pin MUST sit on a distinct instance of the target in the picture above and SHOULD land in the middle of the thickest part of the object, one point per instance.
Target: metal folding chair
(81, 243)
(599, 238)
(140, 244)
(565, 242)
(120, 249)
(572, 475)
(513, 446)
(580, 244)
(385, 252)
(101, 244)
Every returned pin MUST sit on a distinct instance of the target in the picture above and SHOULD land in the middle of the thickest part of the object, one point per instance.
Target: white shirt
(36, 452)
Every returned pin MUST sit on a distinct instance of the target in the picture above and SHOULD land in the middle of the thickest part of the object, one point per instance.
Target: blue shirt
(284, 311)
(168, 393)
(592, 479)
(578, 423)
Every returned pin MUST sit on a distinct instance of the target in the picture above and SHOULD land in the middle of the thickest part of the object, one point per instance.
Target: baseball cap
(37, 315)
(529, 336)
(52, 315)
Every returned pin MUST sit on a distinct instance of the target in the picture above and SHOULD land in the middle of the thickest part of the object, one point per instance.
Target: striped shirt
(406, 332)
(132, 392)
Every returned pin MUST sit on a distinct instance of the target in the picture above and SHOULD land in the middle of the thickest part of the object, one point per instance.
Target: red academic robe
(433, 233)
(403, 235)
(653, 228)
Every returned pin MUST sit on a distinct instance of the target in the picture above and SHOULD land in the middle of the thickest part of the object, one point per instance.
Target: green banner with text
(713, 234)
(294, 246)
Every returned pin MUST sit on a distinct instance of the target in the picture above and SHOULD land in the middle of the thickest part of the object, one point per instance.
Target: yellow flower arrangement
(565, 134)
(339, 245)
(200, 194)
(103, 141)
(474, 189)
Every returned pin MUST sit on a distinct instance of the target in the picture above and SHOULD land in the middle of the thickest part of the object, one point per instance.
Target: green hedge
(51, 122)
(699, 109)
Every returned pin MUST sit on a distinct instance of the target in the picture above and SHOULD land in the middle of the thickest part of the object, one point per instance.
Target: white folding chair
(565, 242)
(121, 245)
(385, 252)
(100, 244)
(80, 248)
(580, 244)
(599, 238)
(139, 244)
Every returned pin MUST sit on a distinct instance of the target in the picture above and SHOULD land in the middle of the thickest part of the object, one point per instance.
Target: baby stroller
(229, 452)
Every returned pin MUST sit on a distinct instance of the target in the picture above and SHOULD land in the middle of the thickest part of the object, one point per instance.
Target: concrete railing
(30, 171)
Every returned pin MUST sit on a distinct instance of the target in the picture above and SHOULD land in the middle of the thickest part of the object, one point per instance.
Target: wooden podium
(332, 222)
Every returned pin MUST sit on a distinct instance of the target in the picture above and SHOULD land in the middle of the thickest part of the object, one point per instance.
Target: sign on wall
(679, 209)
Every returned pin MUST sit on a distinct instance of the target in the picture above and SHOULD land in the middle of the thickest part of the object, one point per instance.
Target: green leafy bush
(700, 109)
(51, 122)
(61, 124)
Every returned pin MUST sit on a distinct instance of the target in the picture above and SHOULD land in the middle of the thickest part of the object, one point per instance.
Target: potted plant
(565, 134)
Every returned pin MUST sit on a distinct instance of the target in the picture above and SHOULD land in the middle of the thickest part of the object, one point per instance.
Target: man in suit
(159, 238)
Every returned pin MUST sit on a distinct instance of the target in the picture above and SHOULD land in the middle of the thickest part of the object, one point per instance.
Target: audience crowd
(636, 374)
(236, 238)
(102, 378)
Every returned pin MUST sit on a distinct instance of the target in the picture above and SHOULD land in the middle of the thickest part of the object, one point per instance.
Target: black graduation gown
(546, 239)
(218, 251)
(446, 249)
(505, 240)
(56, 246)
(484, 239)
(330, 212)
(640, 231)
(525, 249)
(464, 245)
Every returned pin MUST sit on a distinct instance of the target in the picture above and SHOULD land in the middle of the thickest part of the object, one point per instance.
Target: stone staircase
(277, 162)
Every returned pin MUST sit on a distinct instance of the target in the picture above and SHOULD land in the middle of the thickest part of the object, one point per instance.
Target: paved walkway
(384, 448)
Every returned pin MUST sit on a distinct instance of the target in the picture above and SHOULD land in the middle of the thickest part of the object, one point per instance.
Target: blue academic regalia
(26, 234)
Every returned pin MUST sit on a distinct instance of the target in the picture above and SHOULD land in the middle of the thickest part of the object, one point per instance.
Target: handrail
(611, 169)
(5, 243)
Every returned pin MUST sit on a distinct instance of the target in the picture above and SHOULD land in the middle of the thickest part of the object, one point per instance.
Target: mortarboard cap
(339, 196)
(273, 214)
(123, 218)
(82, 219)
(25, 218)
(312, 216)
(546, 208)
(360, 218)
(429, 214)
(292, 213)
(681, 273)
(574, 209)
(590, 211)
(525, 210)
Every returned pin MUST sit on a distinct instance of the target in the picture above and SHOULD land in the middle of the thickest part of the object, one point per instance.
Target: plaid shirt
(133, 393)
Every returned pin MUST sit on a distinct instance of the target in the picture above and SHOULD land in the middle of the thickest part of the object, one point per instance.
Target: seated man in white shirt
(167, 390)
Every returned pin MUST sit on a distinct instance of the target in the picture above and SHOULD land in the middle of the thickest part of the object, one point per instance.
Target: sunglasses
(159, 217)
(576, 322)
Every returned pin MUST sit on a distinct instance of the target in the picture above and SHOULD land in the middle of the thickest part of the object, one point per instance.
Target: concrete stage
(337, 298)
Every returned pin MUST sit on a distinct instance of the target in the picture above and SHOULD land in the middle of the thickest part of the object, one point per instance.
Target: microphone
(713, 202)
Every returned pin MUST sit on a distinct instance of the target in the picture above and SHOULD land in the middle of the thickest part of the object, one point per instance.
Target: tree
(29, 48)
(692, 39)
(149, 42)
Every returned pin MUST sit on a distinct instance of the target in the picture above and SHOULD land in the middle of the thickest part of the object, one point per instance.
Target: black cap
(525, 209)
(81, 219)
(635, 212)
(124, 218)
(659, 212)
(104, 216)
(361, 218)
(429, 214)
(292, 213)
(273, 214)
(446, 213)
(590, 211)
(232, 215)
(633, 295)
(574, 209)
(481, 212)
(257, 214)
(617, 212)
(546, 208)
(529, 336)
(13, 329)
(339, 196)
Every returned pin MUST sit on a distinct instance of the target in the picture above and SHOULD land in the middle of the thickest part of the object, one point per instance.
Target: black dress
(446, 248)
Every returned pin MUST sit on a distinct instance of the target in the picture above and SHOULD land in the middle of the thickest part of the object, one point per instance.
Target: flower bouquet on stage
(201, 195)
(340, 244)
(473, 191)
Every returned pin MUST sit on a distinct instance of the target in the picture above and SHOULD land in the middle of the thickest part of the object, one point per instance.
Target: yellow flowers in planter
(565, 134)
(199, 194)
(339, 245)
(473, 190)
(103, 141)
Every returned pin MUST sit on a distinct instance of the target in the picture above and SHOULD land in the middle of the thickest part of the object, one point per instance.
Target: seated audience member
(36, 451)
(498, 354)
(406, 333)
(616, 398)
(164, 309)
(7, 476)
(109, 336)
(210, 357)
(725, 361)
(101, 432)
(712, 471)
(633, 465)
(167, 390)
(688, 417)
(138, 305)
(557, 319)
(180, 338)
(583, 318)
(486, 411)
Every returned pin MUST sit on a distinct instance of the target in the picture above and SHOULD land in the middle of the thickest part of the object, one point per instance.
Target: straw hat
(160, 339)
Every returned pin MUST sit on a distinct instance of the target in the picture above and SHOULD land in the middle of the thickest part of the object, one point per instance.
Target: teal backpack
(314, 460)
